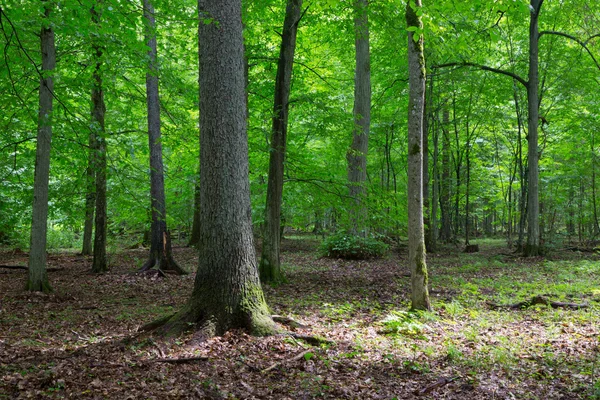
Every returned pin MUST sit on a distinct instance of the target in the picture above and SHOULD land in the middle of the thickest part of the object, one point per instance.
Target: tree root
(312, 340)
(22, 267)
(538, 300)
(288, 322)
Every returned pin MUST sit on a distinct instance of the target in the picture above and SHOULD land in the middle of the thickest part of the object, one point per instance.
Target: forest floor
(82, 341)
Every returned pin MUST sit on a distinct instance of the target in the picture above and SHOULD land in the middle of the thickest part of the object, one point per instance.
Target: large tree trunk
(90, 198)
(416, 106)
(357, 155)
(100, 262)
(37, 280)
(270, 266)
(161, 253)
(532, 247)
(227, 292)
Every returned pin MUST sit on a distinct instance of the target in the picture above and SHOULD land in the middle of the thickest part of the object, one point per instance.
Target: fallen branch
(288, 322)
(444, 380)
(277, 364)
(180, 360)
(539, 300)
(22, 267)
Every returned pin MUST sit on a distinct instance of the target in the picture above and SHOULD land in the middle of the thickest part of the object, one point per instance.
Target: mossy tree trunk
(161, 253)
(270, 264)
(227, 291)
(416, 107)
(37, 280)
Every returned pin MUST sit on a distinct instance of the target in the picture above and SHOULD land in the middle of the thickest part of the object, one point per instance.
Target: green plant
(404, 323)
(351, 247)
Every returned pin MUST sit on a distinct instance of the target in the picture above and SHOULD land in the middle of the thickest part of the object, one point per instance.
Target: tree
(90, 197)
(100, 262)
(270, 264)
(37, 280)
(416, 108)
(161, 253)
(357, 155)
(227, 292)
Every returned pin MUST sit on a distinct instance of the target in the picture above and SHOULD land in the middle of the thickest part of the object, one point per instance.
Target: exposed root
(180, 360)
(288, 322)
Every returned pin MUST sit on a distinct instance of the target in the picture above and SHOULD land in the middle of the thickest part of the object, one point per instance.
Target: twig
(180, 360)
(277, 364)
(444, 380)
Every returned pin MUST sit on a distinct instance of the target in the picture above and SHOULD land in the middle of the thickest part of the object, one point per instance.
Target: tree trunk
(270, 265)
(357, 155)
(435, 190)
(37, 280)
(227, 292)
(100, 262)
(161, 253)
(533, 221)
(426, 208)
(416, 106)
(445, 181)
(195, 234)
(90, 198)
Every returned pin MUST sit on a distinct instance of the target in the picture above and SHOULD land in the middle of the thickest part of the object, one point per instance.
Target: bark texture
(90, 198)
(270, 265)
(357, 155)
(37, 280)
(416, 108)
(100, 262)
(532, 248)
(227, 292)
(161, 253)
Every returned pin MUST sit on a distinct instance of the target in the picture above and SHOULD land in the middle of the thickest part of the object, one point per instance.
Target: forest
(296, 199)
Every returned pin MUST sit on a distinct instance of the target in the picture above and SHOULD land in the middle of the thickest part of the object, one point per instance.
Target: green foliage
(350, 247)
(404, 323)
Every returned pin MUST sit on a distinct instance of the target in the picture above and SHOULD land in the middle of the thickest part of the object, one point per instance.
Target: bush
(350, 247)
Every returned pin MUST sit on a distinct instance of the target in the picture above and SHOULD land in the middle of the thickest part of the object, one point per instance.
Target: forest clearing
(82, 342)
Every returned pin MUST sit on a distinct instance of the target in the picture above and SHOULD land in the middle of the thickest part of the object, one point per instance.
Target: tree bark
(161, 253)
(532, 247)
(445, 233)
(100, 262)
(37, 280)
(416, 106)
(357, 154)
(270, 265)
(195, 234)
(227, 292)
(90, 198)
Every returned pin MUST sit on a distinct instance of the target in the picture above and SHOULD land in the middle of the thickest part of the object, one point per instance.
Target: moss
(420, 262)
(415, 150)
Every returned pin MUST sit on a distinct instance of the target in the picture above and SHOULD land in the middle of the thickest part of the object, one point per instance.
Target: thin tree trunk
(227, 292)
(100, 262)
(37, 279)
(445, 181)
(435, 193)
(90, 198)
(357, 155)
(161, 253)
(533, 221)
(426, 209)
(416, 106)
(270, 264)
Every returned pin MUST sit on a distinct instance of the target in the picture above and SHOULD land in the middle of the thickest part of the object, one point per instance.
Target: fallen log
(542, 300)
(24, 268)
(180, 360)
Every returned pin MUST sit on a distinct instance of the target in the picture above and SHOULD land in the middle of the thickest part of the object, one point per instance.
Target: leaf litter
(82, 340)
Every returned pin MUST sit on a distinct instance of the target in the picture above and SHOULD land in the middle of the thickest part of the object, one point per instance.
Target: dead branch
(277, 364)
(22, 267)
(444, 380)
(538, 300)
(288, 322)
(180, 360)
